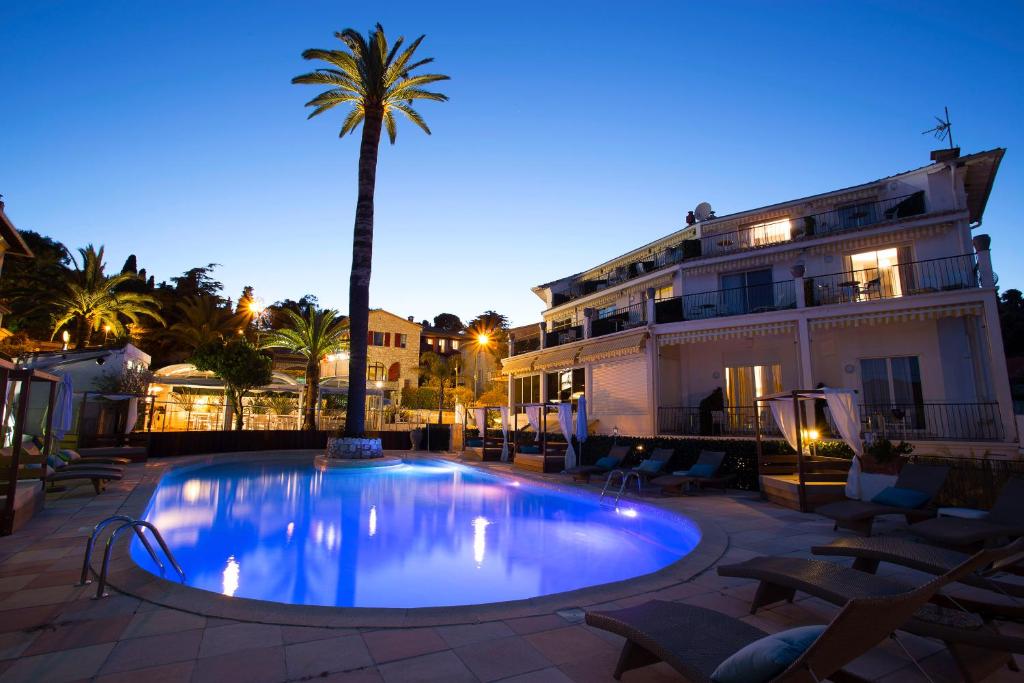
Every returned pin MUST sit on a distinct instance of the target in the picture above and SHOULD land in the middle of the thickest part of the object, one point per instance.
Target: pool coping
(127, 577)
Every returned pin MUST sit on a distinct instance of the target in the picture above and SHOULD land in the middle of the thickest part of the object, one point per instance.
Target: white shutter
(620, 388)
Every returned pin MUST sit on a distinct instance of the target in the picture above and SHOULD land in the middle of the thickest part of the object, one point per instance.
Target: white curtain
(785, 417)
(565, 423)
(842, 403)
(133, 415)
(480, 415)
(533, 417)
(460, 414)
(504, 433)
(853, 480)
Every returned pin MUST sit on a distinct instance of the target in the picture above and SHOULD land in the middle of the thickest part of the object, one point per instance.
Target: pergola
(24, 379)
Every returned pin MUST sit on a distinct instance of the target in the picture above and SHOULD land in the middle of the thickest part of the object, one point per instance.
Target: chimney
(941, 155)
(411, 318)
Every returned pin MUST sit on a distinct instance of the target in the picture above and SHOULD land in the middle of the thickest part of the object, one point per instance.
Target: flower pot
(348, 448)
(982, 242)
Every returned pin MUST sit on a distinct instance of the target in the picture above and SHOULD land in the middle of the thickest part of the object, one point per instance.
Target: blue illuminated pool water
(425, 534)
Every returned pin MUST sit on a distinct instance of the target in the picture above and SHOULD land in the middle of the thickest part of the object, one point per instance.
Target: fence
(619, 319)
(897, 280)
(933, 421)
(693, 421)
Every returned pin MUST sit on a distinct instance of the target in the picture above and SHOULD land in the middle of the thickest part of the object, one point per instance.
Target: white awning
(903, 315)
(558, 357)
(625, 345)
(740, 332)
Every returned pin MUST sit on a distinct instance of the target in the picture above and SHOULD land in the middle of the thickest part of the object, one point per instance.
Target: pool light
(230, 579)
(626, 512)
(479, 540)
(373, 520)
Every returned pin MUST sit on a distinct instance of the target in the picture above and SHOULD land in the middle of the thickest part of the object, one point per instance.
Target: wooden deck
(784, 490)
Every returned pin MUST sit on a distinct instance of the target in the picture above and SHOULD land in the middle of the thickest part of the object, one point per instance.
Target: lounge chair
(1004, 521)
(976, 645)
(695, 640)
(651, 467)
(606, 464)
(868, 553)
(72, 457)
(703, 473)
(859, 515)
(97, 477)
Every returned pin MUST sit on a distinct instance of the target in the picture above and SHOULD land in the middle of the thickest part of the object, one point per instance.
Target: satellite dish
(703, 211)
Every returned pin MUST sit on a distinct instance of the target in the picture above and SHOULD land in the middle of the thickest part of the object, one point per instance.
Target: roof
(981, 172)
(15, 243)
(393, 315)
(430, 330)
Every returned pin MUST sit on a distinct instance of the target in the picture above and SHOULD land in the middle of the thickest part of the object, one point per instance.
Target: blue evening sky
(575, 132)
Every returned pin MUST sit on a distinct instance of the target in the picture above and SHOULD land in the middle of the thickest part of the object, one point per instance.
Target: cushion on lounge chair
(531, 450)
(766, 658)
(474, 443)
(650, 466)
(901, 498)
(608, 462)
(701, 470)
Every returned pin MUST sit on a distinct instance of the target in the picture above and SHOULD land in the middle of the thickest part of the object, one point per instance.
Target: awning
(558, 357)
(858, 241)
(517, 364)
(899, 316)
(740, 332)
(625, 345)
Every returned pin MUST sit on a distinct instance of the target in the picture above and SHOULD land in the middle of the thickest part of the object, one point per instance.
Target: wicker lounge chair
(1004, 521)
(694, 640)
(74, 458)
(868, 553)
(97, 477)
(977, 647)
(584, 472)
(859, 515)
(678, 481)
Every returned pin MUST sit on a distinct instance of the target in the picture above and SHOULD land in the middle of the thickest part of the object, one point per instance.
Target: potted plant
(884, 457)
(347, 448)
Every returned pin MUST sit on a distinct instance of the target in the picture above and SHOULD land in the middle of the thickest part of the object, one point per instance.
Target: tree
(131, 265)
(91, 300)
(29, 286)
(439, 371)
(449, 322)
(377, 82)
(241, 366)
(198, 282)
(320, 332)
(1011, 320)
(276, 317)
(202, 320)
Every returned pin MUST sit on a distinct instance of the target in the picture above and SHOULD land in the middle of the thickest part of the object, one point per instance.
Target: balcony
(776, 296)
(634, 315)
(563, 335)
(768, 233)
(692, 421)
(526, 345)
(893, 281)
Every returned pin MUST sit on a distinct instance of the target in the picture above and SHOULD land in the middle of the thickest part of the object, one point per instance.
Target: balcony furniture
(859, 515)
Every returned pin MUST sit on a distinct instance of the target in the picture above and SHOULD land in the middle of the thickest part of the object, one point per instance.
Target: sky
(575, 132)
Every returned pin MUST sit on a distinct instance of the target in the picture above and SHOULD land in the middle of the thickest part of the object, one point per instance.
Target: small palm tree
(91, 301)
(439, 371)
(204, 320)
(377, 82)
(321, 332)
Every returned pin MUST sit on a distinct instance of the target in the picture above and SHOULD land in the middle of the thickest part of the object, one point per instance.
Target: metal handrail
(126, 523)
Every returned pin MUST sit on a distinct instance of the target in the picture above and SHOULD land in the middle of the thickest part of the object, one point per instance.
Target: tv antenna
(943, 129)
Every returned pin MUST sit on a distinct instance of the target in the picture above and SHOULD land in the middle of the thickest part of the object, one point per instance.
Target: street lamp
(106, 331)
(482, 340)
(66, 338)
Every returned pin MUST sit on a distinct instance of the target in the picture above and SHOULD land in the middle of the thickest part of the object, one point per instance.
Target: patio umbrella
(64, 408)
(581, 424)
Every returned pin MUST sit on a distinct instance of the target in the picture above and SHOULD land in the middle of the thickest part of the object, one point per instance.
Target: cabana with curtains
(25, 475)
(813, 478)
(492, 445)
(536, 448)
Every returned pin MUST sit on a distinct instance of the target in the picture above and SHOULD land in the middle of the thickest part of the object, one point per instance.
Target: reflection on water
(412, 536)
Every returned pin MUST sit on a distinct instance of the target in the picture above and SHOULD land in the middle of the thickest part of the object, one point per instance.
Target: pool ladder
(136, 525)
(624, 477)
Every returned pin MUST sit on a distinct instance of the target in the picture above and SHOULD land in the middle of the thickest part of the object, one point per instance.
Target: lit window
(440, 345)
(876, 274)
(663, 293)
(455, 344)
(771, 232)
(402, 340)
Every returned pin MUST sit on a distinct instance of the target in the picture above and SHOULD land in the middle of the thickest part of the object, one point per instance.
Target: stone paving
(50, 630)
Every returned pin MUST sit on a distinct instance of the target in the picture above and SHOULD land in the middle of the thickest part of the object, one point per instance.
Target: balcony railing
(563, 335)
(776, 296)
(893, 421)
(897, 280)
(933, 421)
(525, 345)
(692, 421)
(634, 315)
(851, 217)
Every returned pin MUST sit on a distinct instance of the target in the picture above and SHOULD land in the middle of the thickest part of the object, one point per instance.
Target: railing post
(982, 245)
(543, 329)
(588, 322)
(649, 309)
(798, 284)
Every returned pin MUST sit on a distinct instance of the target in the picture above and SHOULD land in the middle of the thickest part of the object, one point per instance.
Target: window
(375, 372)
(429, 341)
(441, 345)
(606, 311)
(455, 344)
(878, 275)
(744, 382)
(665, 292)
(892, 391)
(376, 339)
(857, 215)
(526, 389)
(401, 340)
(771, 232)
(566, 385)
(747, 292)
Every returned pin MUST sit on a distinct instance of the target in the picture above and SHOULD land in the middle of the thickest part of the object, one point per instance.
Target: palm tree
(204, 320)
(439, 370)
(321, 332)
(91, 300)
(376, 81)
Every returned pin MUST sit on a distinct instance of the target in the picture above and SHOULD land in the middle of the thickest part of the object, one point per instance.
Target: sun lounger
(974, 642)
(98, 478)
(1004, 521)
(695, 640)
(868, 553)
(859, 515)
(74, 458)
(703, 473)
(584, 472)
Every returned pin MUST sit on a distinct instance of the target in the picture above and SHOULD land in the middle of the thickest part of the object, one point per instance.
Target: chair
(652, 466)
(707, 461)
(977, 647)
(859, 515)
(1004, 520)
(606, 464)
(695, 640)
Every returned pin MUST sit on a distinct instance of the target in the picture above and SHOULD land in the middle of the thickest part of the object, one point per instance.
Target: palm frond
(413, 116)
(389, 125)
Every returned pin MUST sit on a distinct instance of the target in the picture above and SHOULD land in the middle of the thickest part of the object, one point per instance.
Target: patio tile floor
(50, 630)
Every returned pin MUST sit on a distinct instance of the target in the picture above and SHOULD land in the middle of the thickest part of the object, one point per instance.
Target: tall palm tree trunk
(312, 393)
(82, 332)
(359, 281)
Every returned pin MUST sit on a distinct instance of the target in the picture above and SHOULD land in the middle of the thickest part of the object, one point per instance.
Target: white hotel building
(883, 288)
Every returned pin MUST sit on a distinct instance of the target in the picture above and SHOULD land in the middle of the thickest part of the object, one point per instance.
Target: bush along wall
(740, 454)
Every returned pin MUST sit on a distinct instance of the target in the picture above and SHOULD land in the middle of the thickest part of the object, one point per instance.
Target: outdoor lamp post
(66, 338)
(482, 340)
(106, 331)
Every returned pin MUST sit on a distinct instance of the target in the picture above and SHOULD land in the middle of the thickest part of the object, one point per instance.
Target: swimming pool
(426, 533)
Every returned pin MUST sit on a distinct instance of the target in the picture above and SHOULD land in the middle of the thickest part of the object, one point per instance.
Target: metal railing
(620, 319)
(526, 345)
(897, 280)
(693, 421)
(776, 296)
(564, 335)
(933, 421)
(126, 523)
(767, 233)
